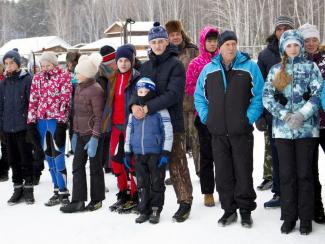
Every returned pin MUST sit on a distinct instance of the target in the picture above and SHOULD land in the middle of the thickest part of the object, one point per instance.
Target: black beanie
(226, 36)
(124, 52)
(14, 55)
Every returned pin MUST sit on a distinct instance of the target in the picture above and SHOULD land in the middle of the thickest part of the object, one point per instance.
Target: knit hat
(132, 48)
(174, 26)
(227, 35)
(289, 37)
(145, 82)
(124, 52)
(49, 57)
(284, 20)
(108, 54)
(87, 66)
(157, 31)
(14, 55)
(308, 31)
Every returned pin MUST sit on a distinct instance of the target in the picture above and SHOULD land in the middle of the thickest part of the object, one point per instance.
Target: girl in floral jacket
(292, 96)
(48, 113)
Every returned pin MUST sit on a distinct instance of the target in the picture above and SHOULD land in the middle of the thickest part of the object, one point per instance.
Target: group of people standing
(140, 120)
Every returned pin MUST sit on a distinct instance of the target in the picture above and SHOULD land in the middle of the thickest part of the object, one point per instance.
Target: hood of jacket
(204, 32)
(292, 35)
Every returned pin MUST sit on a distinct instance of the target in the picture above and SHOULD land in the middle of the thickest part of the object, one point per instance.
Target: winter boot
(227, 218)
(29, 194)
(274, 202)
(154, 216)
(265, 185)
(16, 196)
(64, 198)
(122, 198)
(305, 227)
(36, 180)
(183, 212)
(209, 200)
(54, 200)
(287, 227)
(127, 207)
(142, 218)
(73, 207)
(94, 205)
(246, 219)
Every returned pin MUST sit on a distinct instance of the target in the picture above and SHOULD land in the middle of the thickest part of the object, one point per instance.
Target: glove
(280, 98)
(164, 159)
(295, 121)
(91, 146)
(261, 124)
(127, 161)
(32, 136)
(3, 137)
(74, 142)
(59, 134)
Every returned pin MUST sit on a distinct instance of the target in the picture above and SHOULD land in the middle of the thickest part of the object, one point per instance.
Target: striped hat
(145, 82)
(284, 20)
(108, 54)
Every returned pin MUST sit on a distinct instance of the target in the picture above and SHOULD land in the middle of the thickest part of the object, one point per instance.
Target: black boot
(154, 216)
(287, 227)
(29, 194)
(122, 198)
(16, 196)
(74, 206)
(246, 219)
(36, 180)
(94, 205)
(64, 198)
(183, 212)
(142, 218)
(228, 218)
(305, 227)
(54, 200)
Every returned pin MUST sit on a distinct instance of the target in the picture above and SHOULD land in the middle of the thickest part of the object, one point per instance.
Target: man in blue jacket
(228, 99)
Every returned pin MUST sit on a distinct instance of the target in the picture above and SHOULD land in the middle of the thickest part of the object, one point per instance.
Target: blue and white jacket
(152, 134)
(229, 102)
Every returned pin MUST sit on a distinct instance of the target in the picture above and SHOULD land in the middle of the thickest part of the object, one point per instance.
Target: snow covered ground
(39, 224)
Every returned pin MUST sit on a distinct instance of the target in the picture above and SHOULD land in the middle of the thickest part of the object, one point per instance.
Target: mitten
(91, 146)
(74, 142)
(127, 161)
(296, 120)
(164, 159)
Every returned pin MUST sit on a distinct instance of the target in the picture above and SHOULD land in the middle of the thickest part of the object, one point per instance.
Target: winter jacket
(88, 107)
(14, 96)
(152, 134)
(50, 96)
(168, 73)
(319, 59)
(229, 106)
(306, 75)
(128, 92)
(197, 64)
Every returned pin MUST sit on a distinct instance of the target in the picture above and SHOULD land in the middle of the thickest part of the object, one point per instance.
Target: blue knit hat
(124, 52)
(14, 55)
(157, 31)
(145, 82)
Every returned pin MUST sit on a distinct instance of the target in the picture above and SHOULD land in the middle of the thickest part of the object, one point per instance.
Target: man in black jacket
(168, 73)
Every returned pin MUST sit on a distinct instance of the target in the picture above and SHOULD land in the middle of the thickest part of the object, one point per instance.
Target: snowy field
(39, 224)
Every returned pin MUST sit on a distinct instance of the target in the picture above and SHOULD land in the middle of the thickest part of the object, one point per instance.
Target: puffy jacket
(229, 106)
(50, 96)
(306, 76)
(152, 134)
(168, 73)
(14, 96)
(88, 108)
(197, 64)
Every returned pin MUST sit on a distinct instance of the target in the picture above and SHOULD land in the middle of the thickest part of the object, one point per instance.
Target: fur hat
(108, 54)
(174, 26)
(87, 66)
(157, 31)
(307, 30)
(227, 35)
(147, 83)
(49, 57)
(14, 55)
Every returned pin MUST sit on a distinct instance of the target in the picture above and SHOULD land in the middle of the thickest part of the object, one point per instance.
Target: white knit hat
(49, 57)
(307, 30)
(87, 66)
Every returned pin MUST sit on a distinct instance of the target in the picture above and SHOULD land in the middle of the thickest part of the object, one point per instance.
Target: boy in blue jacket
(150, 139)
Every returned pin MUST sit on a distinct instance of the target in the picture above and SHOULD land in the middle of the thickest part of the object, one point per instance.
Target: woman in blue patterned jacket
(292, 96)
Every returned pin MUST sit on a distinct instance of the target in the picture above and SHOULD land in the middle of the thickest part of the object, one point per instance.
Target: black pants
(97, 184)
(296, 178)
(4, 164)
(150, 182)
(317, 185)
(233, 157)
(20, 157)
(207, 179)
(106, 137)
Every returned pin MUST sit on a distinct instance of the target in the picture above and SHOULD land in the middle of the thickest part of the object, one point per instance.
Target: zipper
(142, 135)
(121, 84)
(292, 83)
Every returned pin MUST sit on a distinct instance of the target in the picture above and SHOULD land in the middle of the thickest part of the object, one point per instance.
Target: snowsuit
(295, 146)
(229, 102)
(49, 108)
(206, 158)
(146, 138)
